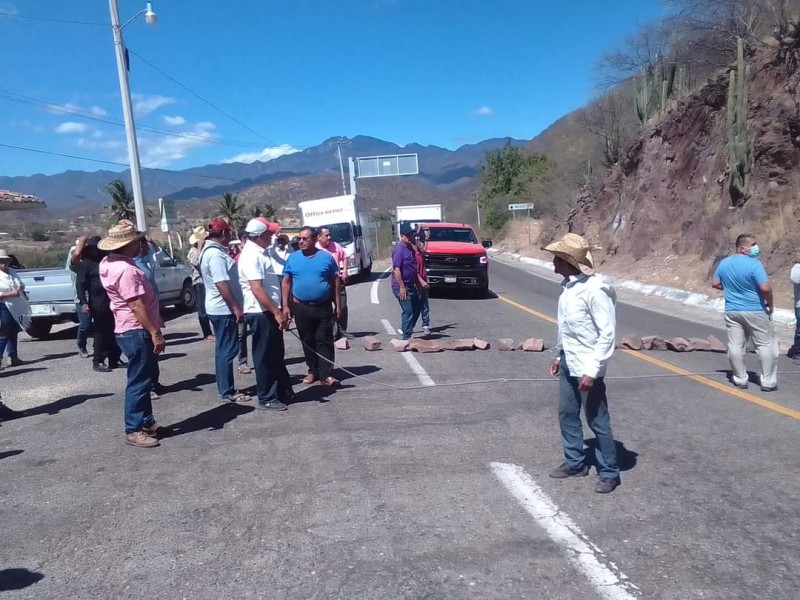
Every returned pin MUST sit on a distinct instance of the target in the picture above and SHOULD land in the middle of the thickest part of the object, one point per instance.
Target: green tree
(122, 205)
(231, 209)
(268, 212)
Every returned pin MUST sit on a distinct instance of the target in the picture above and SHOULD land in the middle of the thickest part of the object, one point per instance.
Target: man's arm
(81, 285)
(337, 288)
(766, 293)
(286, 295)
(257, 287)
(140, 312)
(716, 284)
(225, 291)
(76, 254)
(603, 314)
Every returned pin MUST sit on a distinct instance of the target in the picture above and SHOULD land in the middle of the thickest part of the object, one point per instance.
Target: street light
(127, 108)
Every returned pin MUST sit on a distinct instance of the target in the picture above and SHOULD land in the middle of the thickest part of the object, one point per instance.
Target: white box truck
(411, 216)
(348, 221)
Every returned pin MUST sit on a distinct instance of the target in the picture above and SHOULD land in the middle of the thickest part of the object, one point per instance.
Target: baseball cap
(260, 225)
(408, 231)
(219, 224)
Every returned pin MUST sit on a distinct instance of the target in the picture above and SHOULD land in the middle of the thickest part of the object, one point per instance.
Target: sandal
(309, 379)
(244, 370)
(331, 381)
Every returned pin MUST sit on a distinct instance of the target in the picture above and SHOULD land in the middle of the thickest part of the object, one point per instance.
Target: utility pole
(341, 165)
(478, 208)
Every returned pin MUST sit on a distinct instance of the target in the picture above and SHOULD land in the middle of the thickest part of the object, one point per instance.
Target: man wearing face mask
(748, 312)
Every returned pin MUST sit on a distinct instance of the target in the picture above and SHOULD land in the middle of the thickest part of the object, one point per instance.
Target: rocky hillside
(669, 197)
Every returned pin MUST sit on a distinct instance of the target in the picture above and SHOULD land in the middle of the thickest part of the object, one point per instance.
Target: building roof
(16, 201)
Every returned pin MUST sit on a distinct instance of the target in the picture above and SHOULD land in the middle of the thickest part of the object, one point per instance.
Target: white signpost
(523, 206)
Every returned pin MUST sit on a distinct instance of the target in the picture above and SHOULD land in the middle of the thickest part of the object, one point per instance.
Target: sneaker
(774, 388)
(14, 361)
(100, 368)
(400, 331)
(83, 353)
(606, 486)
(564, 471)
(120, 364)
(153, 430)
(426, 330)
(741, 386)
(274, 405)
(140, 439)
(154, 395)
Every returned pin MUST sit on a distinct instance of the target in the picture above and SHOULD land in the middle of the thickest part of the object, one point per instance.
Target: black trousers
(340, 326)
(105, 342)
(272, 377)
(315, 328)
(202, 317)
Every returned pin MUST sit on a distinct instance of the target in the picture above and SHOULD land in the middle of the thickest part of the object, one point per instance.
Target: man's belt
(306, 303)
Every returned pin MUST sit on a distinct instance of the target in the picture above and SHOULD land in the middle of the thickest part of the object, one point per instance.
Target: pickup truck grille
(454, 262)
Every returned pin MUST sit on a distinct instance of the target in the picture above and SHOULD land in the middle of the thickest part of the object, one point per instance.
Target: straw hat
(575, 250)
(120, 235)
(198, 235)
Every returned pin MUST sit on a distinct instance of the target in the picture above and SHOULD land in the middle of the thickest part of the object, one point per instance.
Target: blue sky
(295, 72)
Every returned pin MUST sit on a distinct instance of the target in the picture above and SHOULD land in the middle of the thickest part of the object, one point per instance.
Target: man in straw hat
(199, 234)
(137, 325)
(586, 336)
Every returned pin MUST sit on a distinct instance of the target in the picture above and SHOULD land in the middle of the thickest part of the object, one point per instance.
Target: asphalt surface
(376, 492)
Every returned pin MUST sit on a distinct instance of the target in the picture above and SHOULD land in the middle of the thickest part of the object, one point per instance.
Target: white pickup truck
(51, 291)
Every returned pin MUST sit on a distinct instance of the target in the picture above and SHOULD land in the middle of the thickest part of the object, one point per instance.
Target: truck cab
(454, 257)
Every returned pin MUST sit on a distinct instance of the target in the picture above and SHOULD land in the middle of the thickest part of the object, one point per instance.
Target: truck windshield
(452, 234)
(403, 224)
(341, 233)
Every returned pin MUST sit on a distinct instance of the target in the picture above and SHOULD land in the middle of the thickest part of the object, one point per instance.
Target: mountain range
(71, 192)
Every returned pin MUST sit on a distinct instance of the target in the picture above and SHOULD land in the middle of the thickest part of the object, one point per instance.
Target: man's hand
(287, 313)
(85, 309)
(337, 312)
(555, 365)
(238, 314)
(769, 310)
(425, 285)
(403, 293)
(586, 384)
(159, 343)
(281, 319)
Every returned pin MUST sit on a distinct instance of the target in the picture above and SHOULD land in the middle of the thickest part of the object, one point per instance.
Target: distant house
(16, 201)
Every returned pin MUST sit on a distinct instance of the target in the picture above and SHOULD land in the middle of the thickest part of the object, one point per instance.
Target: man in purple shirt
(405, 281)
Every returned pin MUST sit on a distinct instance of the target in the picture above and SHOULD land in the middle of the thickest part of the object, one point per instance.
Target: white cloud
(8, 8)
(176, 120)
(96, 110)
(268, 153)
(484, 111)
(161, 151)
(143, 104)
(72, 127)
(98, 143)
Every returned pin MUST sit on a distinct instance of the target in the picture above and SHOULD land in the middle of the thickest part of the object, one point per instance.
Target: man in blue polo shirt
(309, 286)
(748, 312)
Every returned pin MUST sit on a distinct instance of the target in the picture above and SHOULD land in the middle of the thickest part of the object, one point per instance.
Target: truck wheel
(368, 269)
(39, 329)
(188, 299)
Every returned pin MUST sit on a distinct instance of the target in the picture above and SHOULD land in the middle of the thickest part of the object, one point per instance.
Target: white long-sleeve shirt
(587, 325)
(794, 276)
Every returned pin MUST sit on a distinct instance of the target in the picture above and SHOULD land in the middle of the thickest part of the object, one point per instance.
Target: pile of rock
(674, 344)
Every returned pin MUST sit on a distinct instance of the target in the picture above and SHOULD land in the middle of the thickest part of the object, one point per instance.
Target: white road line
(609, 582)
(421, 374)
(373, 294)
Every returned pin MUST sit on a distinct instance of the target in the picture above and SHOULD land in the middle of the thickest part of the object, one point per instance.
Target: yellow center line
(677, 370)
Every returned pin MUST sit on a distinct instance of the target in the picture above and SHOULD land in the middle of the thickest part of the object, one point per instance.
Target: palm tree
(230, 208)
(122, 204)
(268, 212)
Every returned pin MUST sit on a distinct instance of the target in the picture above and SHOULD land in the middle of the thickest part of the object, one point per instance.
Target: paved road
(381, 492)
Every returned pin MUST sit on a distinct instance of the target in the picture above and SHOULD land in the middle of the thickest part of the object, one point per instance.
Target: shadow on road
(47, 357)
(295, 360)
(17, 579)
(7, 372)
(180, 335)
(212, 419)
(362, 334)
(9, 453)
(169, 355)
(626, 459)
(56, 407)
(362, 371)
(194, 384)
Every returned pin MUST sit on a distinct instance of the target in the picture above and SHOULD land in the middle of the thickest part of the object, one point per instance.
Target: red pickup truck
(454, 257)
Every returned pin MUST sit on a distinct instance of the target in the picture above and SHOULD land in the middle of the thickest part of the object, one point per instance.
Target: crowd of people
(255, 285)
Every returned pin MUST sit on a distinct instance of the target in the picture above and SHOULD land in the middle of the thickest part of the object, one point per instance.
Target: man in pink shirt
(324, 242)
(137, 325)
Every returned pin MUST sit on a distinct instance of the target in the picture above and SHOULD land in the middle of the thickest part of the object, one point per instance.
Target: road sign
(387, 166)
(527, 206)
(169, 219)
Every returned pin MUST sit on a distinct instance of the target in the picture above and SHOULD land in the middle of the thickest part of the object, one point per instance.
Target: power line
(32, 18)
(111, 162)
(69, 110)
(199, 97)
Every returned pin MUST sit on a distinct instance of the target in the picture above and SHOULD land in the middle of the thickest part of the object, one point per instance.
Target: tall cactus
(740, 145)
(656, 87)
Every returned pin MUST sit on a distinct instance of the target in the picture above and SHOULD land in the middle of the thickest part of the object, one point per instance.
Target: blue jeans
(9, 332)
(138, 348)
(84, 327)
(797, 332)
(272, 378)
(226, 346)
(426, 309)
(411, 308)
(597, 416)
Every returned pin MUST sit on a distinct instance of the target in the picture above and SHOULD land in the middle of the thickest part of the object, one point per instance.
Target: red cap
(271, 227)
(219, 224)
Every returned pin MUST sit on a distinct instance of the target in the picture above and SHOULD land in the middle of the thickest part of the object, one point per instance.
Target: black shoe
(160, 389)
(606, 486)
(563, 471)
(347, 336)
(769, 389)
(274, 405)
(741, 386)
(100, 368)
(82, 352)
(120, 364)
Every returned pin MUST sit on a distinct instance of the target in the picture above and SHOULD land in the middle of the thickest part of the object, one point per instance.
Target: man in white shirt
(262, 312)
(223, 305)
(279, 252)
(586, 336)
